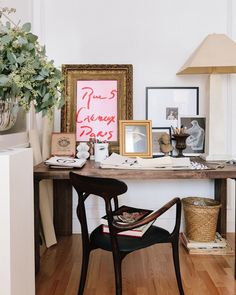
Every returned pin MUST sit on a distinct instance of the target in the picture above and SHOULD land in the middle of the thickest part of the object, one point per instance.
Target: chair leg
(118, 277)
(84, 270)
(175, 252)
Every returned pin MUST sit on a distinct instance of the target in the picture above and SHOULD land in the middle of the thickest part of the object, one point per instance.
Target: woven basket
(201, 215)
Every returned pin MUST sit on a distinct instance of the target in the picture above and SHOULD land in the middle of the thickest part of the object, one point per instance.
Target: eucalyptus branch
(25, 71)
(5, 11)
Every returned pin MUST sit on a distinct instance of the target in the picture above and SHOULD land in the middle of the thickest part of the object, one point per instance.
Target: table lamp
(216, 55)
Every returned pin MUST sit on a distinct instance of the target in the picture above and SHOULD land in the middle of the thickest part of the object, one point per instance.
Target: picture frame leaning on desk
(135, 138)
(195, 126)
(63, 144)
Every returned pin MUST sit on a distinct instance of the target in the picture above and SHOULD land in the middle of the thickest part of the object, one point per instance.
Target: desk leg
(221, 196)
(36, 226)
(62, 207)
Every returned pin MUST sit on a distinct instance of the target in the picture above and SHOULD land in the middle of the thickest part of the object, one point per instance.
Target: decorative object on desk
(201, 215)
(98, 97)
(231, 162)
(128, 215)
(135, 138)
(165, 105)
(63, 144)
(201, 166)
(195, 126)
(165, 144)
(65, 162)
(82, 151)
(180, 142)
(92, 141)
(26, 75)
(101, 151)
(156, 134)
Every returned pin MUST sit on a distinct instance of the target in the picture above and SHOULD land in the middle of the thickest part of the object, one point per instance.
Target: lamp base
(215, 157)
(217, 134)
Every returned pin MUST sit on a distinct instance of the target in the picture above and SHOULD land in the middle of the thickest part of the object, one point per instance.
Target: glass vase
(8, 113)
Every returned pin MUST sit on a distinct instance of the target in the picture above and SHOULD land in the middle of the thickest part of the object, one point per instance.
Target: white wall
(233, 88)
(23, 9)
(156, 36)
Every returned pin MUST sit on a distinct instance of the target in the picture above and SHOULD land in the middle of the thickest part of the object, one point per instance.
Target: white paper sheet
(116, 161)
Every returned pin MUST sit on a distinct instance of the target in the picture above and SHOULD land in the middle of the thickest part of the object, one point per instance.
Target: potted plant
(26, 75)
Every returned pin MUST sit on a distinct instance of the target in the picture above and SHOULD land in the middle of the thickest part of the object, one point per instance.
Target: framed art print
(196, 128)
(97, 97)
(165, 105)
(136, 138)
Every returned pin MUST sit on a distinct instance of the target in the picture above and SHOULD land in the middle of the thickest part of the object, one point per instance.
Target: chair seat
(128, 244)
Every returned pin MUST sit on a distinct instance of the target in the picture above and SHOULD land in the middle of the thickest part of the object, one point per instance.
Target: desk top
(91, 168)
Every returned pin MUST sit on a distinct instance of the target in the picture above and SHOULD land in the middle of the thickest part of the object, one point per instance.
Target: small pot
(180, 143)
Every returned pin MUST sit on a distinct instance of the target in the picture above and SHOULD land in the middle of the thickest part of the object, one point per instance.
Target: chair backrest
(107, 188)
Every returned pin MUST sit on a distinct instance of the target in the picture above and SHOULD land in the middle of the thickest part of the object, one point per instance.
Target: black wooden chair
(109, 189)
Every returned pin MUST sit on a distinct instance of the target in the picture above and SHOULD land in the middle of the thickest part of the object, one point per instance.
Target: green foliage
(25, 71)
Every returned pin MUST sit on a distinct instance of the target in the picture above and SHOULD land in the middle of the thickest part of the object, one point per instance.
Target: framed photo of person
(196, 127)
(135, 138)
(165, 105)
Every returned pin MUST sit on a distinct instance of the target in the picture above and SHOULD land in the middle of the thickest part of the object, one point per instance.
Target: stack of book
(64, 162)
(217, 247)
(128, 215)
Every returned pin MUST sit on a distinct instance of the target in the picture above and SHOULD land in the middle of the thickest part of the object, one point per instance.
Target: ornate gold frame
(122, 73)
(136, 123)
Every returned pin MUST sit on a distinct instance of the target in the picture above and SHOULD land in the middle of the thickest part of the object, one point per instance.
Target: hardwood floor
(145, 272)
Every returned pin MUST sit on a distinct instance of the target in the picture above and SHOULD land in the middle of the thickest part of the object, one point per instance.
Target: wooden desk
(62, 190)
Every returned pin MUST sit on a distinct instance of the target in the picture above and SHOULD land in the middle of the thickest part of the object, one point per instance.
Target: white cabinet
(16, 223)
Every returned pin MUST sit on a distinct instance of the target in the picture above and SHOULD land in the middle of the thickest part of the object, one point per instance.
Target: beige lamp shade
(215, 55)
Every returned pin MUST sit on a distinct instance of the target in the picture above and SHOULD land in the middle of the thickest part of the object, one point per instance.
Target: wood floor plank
(146, 272)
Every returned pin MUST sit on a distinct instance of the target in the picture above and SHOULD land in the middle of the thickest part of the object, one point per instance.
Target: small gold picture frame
(135, 138)
(63, 144)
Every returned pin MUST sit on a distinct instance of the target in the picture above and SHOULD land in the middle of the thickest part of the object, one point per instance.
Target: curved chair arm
(151, 217)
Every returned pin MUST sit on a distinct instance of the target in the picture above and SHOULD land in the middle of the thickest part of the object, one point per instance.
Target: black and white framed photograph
(196, 128)
(161, 141)
(165, 105)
